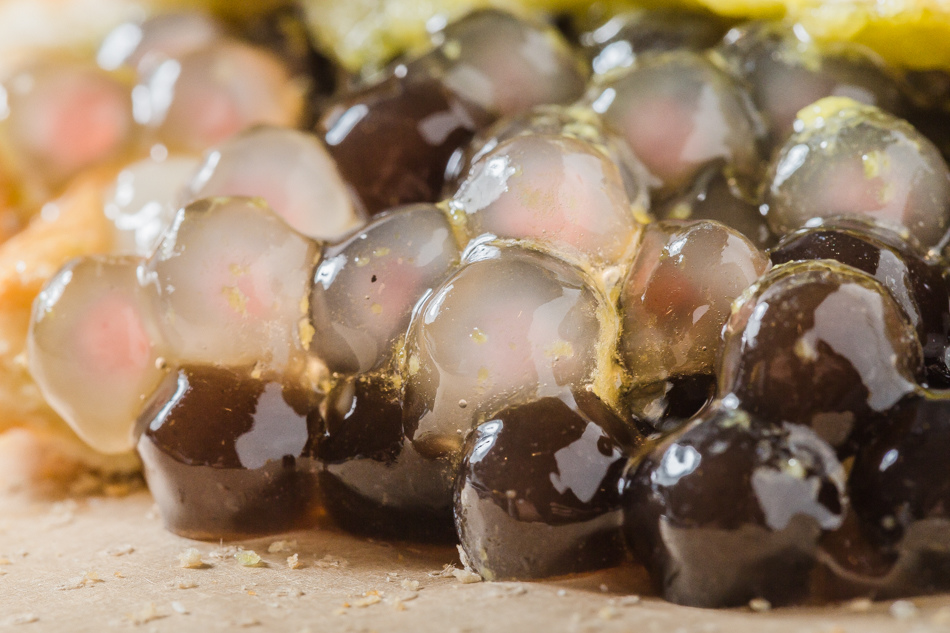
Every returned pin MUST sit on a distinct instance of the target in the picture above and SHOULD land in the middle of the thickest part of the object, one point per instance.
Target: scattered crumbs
(182, 583)
(118, 550)
(147, 613)
(607, 613)
(941, 616)
(760, 605)
(466, 576)
(190, 559)
(330, 561)
(248, 558)
(903, 610)
(293, 562)
(859, 605)
(178, 607)
(248, 622)
(19, 618)
(293, 592)
(281, 546)
(410, 585)
(629, 601)
(369, 598)
(561, 593)
(78, 582)
(118, 574)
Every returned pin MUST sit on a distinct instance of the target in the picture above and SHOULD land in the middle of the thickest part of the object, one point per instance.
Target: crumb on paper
(397, 604)
(182, 583)
(411, 585)
(225, 552)
(179, 608)
(466, 576)
(293, 562)
(903, 610)
(190, 559)
(248, 622)
(369, 598)
(118, 550)
(19, 618)
(447, 571)
(561, 593)
(331, 561)
(629, 601)
(5, 561)
(859, 605)
(607, 613)
(146, 614)
(760, 605)
(281, 546)
(292, 592)
(248, 558)
(78, 582)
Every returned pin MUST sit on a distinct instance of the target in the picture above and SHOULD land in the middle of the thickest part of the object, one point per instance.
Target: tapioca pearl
(95, 350)
(291, 170)
(577, 121)
(679, 112)
(677, 297)
(515, 325)
(213, 93)
(393, 140)
(785, 488)
(821, 344)
(226, 454)
(66, 117)
(557, 190)
(143, 46)
(618, 42)
(365, 288)
(712, 195)
(233, 279)
(537, 493)
(787, 72)
(508, 64)
(850, 159)
(142, 202)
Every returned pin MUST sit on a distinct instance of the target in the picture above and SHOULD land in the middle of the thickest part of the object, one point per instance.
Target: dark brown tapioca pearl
(820, 344)
(505, 64)
(538, 495)
(364, 289)
(915, 284)
(226, 455)
(787, 73)
(730, 509)
(393, 140)
(901, 479)
(711, 196)
(680, 112)
(677, 296)
(618, 42)
(373, 482)
(850, 159)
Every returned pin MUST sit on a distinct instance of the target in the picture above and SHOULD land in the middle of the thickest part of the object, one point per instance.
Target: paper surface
(102, 563)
